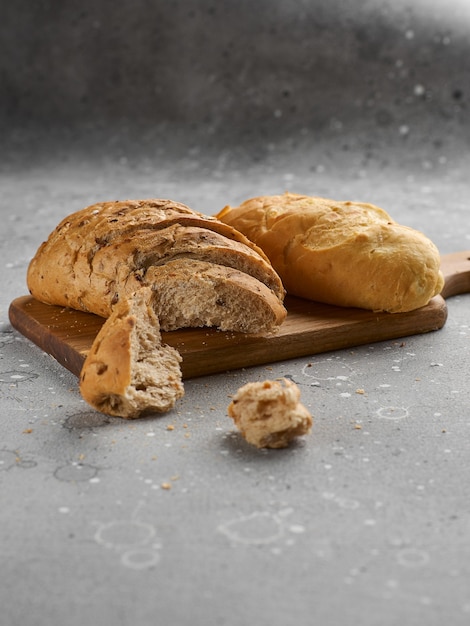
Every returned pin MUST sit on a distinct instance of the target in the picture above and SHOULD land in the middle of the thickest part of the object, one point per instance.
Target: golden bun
(349, 254)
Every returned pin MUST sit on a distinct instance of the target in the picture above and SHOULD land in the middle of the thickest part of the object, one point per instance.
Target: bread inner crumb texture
(269, 414)
(195, 293)
(129, 371)
(155, 374)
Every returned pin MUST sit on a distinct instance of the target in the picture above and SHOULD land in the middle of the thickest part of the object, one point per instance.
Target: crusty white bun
(349, 254)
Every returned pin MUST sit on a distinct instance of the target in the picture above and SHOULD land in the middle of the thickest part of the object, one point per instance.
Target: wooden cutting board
(310, 328)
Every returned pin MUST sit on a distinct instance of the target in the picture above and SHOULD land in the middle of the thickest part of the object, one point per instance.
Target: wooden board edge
(250, 351)
(33, 330)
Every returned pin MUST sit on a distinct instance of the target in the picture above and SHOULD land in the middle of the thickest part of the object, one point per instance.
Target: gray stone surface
(366, 521)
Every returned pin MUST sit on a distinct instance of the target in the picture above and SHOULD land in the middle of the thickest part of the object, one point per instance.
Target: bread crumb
(170, 427)
(27, 431)
(166, 486)
(360, 391)
(269, 414)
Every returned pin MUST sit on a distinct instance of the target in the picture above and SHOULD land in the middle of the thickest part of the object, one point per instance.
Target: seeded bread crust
(345, 253)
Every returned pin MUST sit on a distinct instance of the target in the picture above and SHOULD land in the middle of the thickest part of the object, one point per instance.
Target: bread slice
(121, 267)
(128, 371)
(204, 244)
(345, 253)
(191, 293)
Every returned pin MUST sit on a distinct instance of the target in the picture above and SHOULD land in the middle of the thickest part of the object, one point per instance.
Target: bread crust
(344, 253)
(129, 371)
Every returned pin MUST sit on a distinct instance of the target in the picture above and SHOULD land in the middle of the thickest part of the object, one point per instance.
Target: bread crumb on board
(269, 414)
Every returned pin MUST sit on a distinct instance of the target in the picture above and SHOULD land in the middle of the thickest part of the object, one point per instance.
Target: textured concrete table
(174, 519)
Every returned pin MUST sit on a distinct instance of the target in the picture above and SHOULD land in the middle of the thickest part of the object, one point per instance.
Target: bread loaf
(104, 253)
(128, 371)
(146, 266)
(344, 253)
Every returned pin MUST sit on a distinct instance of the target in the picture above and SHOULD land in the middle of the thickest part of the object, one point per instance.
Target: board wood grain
(310, 328)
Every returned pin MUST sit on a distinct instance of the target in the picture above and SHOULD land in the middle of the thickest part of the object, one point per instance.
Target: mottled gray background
(366, 521)
(238, 78)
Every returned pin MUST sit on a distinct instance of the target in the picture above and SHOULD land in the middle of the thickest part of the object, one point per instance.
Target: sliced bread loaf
(150, 265)
(104, 253)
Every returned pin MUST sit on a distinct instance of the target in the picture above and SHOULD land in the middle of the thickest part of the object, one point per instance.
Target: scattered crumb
(269, 414)
(170, 427)
(27, 431)
(358, 426)
(360, 391)
(166, 486)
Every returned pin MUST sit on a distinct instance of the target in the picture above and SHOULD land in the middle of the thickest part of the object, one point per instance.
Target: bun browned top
(345, 253)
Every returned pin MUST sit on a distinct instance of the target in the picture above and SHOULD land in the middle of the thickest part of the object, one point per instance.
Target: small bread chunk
(128, 371)
(269, 414)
